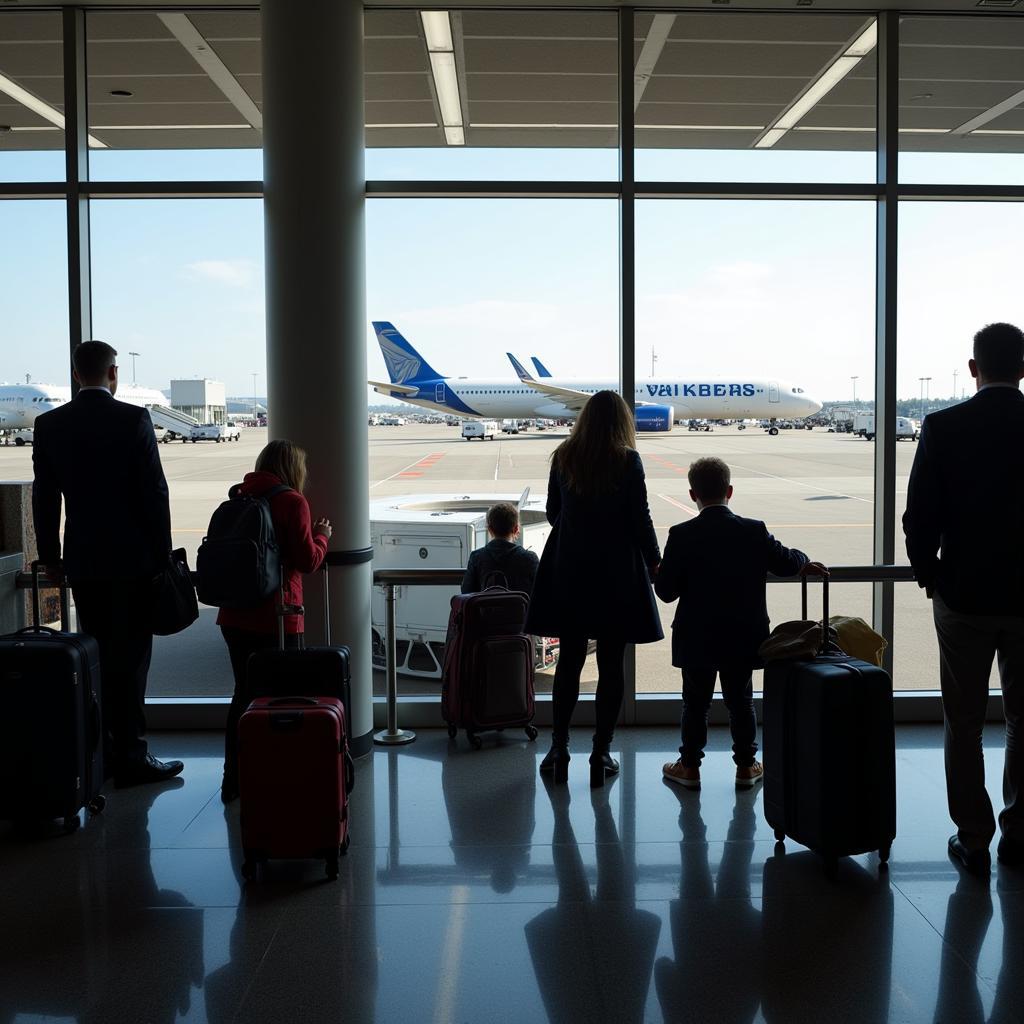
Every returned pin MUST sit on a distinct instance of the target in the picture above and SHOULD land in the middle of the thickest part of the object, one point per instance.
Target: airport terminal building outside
(613, 190)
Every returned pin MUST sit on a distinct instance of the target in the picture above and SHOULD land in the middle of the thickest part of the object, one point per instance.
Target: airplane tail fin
(542, 370)
(405, 364)
(521, 372)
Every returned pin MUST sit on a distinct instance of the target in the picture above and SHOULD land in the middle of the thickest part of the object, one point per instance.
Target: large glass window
(961, 96)
(472, 95)
(175, 95)
(755, 97)
(178, 291)
(753, 317)
(452, 287)
(31, 97)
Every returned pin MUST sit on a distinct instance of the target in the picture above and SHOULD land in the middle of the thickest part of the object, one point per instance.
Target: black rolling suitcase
(51, 749)
(830, 752)
(321, 671)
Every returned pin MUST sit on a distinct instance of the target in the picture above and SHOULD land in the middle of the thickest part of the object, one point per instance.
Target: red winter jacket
(301, 552)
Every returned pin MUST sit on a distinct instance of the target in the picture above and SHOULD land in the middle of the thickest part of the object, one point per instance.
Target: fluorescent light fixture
(38, 106)
(698, 127)
(403, 124)
(447, 82)
(821, 86)
(539, 124)
(1004, 106)
(998, 131)
(437, 28)
(832, 128)
(769, 138)
(454, 135)
(167, 127)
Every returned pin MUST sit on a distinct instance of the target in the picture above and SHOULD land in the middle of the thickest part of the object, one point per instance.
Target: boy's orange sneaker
(682, 775)
(749, 776)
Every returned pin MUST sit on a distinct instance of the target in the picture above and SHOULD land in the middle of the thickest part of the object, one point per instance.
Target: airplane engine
(654, 417)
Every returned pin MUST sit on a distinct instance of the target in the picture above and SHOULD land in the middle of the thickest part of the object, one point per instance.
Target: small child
(502, 556)
(716, 565)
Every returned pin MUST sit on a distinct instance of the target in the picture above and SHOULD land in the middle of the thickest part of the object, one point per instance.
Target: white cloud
(233, 273)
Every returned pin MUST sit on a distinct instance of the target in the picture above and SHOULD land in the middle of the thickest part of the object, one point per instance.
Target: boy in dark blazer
(501, 555)
(715, 565)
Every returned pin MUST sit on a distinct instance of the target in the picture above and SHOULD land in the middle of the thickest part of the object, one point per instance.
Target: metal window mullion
(886, 279)
(627, 272)
(76, 155)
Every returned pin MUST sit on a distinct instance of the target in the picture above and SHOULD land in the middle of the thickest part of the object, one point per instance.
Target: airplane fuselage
(20, 404)
(734, 398)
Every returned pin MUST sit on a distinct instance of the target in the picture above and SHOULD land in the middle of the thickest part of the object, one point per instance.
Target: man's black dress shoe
(149, 769)
(1010, 853)
(977, 862)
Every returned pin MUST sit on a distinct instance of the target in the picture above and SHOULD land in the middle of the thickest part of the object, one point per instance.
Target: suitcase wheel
(452, 732)
(97, 804)
(531, 733)
(474, 741)
(332, 867)
(883, 854)
(780, 835)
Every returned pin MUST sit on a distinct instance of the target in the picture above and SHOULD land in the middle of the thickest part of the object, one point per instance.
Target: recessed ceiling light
(922, 96)
(121, 92)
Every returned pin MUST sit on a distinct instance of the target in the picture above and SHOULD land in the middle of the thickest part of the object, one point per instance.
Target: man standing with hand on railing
(716, 565)
(966, 496)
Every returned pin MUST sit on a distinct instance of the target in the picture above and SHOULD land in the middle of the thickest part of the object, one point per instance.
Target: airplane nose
(813, 406)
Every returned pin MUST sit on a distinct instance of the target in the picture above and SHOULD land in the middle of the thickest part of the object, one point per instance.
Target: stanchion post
(392, 736)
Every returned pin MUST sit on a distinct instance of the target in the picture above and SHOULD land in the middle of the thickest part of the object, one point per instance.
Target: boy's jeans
(698, 690)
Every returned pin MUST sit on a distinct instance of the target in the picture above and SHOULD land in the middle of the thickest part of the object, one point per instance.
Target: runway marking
(678, 504)
(424, 463)
(497, 461)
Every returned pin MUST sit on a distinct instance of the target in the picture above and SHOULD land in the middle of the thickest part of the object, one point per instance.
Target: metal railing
(389, 579)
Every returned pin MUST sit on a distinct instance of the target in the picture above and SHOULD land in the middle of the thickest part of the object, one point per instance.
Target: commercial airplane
(20, 404)
(658, 402)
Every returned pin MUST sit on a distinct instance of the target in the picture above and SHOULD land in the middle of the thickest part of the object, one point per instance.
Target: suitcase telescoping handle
(65, 602)
(824, 607)
(297, 609)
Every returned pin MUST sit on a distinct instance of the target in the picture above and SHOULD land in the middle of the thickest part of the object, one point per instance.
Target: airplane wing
(570, 398)
(383, 389)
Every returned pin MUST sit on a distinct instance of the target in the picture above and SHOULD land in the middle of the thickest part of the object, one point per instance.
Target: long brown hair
(591, 459)
(286, 460)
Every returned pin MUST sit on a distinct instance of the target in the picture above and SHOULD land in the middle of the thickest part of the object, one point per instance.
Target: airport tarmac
(813, 489)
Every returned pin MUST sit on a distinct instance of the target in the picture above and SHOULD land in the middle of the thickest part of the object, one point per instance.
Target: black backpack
(239, 562)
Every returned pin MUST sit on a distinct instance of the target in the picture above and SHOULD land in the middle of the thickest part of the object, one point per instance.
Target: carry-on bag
(51, 732)
(294, 774)
(830, 751)
(320, 671)
(487, 680)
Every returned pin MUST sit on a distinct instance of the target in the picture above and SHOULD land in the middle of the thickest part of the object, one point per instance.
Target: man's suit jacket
(101, 456)
(716, 566)
(966, 497)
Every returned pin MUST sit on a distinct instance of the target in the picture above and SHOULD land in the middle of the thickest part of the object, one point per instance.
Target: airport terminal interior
(811, 203)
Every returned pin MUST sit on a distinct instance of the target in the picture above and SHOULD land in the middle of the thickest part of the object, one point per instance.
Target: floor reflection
(593, 951)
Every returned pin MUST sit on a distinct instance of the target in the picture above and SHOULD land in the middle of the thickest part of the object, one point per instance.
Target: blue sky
(723, 287)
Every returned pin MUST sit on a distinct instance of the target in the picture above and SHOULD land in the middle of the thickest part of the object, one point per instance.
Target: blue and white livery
(658, 402)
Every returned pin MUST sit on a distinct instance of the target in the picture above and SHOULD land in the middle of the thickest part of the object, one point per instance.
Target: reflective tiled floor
(473, 892)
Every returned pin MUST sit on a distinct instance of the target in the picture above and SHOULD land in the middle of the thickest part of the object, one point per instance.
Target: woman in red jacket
(303, 545)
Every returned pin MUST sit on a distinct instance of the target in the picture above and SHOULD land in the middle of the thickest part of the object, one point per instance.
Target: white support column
(314, 183)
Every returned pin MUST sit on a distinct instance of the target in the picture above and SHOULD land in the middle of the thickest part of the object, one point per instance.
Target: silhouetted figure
(592, 952)
(716, 932)
(100, 457)
(964, 526)
(501, 562)
(593, 582)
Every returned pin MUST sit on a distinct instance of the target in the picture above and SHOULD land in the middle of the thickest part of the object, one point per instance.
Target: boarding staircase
(172, 421)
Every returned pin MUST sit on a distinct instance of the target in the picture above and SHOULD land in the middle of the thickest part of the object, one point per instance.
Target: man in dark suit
(100, 455)
(502, 556)
(716, 565)
(966, 497)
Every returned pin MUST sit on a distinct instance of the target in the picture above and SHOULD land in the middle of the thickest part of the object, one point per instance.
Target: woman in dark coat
(594, 578)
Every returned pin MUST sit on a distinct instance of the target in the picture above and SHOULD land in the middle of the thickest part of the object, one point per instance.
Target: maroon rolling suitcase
(487, 680)
(294, 776)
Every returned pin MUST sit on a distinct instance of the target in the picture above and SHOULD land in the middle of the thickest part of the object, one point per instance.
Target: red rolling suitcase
(320, 671)
(830, 752)
(51, 732)
(294, 776)
(488, 665)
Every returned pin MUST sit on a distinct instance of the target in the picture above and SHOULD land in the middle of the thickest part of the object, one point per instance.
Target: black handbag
(173, 603)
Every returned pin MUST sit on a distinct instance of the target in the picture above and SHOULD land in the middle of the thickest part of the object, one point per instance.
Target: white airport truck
(215, 432)
(486, 430)
(864, 426)
(438, 531)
